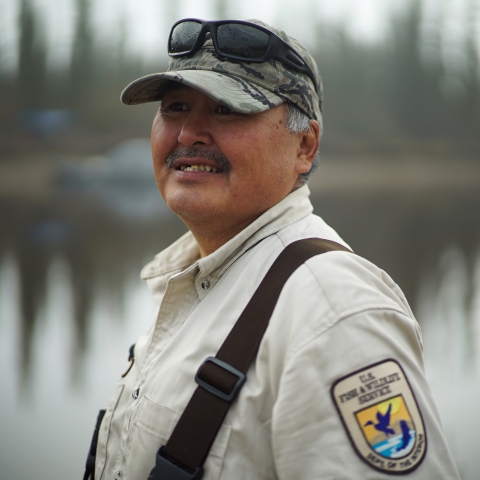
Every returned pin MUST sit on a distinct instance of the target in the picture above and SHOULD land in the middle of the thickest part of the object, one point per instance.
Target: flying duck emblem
(383, 422)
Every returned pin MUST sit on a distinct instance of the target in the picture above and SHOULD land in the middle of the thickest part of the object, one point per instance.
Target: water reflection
(71, 302)
(47, 423)
(103, 216)
(448, 310)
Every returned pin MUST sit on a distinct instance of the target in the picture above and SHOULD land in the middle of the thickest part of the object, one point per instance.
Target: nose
(195, 130)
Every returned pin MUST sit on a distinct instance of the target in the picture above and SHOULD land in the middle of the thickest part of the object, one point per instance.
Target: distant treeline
(404, 86)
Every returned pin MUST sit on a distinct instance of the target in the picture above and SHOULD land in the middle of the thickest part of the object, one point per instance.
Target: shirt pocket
(153, 428)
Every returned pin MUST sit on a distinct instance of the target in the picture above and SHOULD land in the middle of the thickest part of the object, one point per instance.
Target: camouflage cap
(244, 87)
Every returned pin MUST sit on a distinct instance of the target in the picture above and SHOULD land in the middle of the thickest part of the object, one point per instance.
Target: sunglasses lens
(242, 40)
(184, 36)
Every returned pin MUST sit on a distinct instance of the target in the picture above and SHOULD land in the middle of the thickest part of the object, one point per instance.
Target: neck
(211, 237)
(213, 231)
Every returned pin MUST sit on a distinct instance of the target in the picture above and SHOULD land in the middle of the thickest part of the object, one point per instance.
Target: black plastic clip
(229, 397)
(166, 468)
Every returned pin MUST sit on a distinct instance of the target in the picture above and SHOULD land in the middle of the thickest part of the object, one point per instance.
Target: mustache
(219, 158)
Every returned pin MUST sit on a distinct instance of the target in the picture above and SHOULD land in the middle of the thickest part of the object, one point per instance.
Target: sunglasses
(237, 40)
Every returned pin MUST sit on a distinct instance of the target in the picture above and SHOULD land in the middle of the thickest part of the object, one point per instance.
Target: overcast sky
(147, 22)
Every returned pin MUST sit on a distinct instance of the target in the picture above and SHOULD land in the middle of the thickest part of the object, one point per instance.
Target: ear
(307, 148)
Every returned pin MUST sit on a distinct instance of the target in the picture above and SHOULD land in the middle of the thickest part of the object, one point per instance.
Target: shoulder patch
(380, 414)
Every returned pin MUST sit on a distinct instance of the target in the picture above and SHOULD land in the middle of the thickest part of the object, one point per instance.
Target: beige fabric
(337, 314)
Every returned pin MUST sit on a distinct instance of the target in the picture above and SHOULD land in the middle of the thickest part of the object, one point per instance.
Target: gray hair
(299, 122)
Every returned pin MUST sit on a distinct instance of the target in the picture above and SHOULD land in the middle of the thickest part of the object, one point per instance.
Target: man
(337, 389)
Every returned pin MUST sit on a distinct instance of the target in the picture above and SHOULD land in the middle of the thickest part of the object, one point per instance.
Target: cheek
(163, 142)
(158, 163)
(162, 146)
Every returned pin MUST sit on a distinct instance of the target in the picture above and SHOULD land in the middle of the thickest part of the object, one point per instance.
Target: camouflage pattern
(245, 87)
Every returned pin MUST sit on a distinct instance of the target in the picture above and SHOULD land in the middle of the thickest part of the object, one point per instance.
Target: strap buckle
(167, 469)
(229, 397)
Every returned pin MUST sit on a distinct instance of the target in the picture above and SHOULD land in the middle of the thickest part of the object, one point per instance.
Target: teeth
(195, 168)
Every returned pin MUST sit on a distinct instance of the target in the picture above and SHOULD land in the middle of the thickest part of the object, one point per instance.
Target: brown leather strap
(197, 428)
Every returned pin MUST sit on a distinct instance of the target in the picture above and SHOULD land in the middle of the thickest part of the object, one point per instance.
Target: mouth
(199, 168)
(190, 160)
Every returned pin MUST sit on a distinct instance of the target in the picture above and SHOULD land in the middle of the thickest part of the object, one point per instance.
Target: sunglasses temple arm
(300, 68)
(290, 57)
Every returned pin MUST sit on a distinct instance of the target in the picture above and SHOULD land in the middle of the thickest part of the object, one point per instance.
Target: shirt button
(205, 284)
(118, 475)
(135, 394)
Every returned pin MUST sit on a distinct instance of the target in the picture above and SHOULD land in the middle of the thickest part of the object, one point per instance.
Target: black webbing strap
(221, 377)
(90, 464)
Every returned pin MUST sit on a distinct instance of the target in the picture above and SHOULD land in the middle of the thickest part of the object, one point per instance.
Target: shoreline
(36, 178)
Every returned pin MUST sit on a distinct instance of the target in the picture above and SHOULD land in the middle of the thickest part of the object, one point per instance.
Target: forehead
(173, 87)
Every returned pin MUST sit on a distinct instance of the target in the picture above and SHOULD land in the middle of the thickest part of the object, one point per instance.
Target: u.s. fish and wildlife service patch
(381, 416)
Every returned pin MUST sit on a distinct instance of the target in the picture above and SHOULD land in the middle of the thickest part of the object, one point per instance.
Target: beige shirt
(336, 314)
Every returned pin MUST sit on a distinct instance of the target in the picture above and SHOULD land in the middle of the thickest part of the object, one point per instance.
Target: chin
(191, 208)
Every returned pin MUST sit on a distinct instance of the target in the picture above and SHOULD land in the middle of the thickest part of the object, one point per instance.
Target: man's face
(217, 169)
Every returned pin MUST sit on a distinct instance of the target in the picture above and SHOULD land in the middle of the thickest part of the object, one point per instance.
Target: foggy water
(451, 333)
(71, 301)
(47, 423)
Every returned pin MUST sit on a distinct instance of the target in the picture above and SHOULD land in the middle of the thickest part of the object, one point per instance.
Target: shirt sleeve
(309, 440)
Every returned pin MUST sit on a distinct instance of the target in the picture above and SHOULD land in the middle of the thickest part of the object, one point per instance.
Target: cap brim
(231, 91)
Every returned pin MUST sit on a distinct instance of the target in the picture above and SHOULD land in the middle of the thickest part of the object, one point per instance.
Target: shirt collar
(184, 254)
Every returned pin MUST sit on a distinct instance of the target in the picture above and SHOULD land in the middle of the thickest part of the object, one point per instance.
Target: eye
(222, 110)
(174, 106)
(177, 107)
